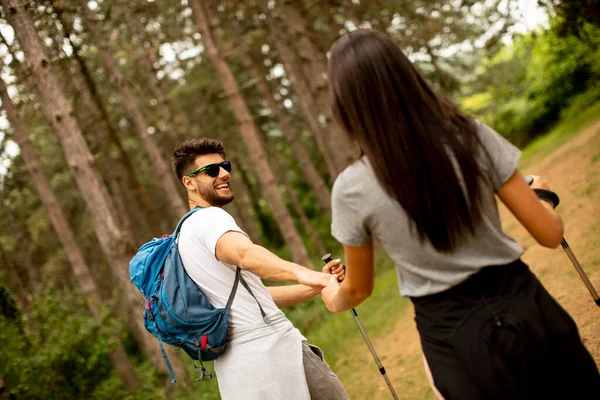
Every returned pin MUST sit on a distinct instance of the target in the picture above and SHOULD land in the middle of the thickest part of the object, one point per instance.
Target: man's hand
(335, 268)
(317, 280)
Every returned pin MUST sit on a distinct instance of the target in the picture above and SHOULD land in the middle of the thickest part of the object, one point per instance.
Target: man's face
(214, 190)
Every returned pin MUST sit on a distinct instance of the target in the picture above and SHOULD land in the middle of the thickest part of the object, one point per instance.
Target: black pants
(500, 335)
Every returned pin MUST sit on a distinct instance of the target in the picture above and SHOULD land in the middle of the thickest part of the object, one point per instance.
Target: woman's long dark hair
(420, 146)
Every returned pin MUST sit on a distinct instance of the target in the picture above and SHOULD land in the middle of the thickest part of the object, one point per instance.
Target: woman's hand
(335, 268)
(539, 183)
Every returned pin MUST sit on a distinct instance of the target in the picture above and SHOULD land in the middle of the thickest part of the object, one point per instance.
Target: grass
(572, 123)
(338, 335)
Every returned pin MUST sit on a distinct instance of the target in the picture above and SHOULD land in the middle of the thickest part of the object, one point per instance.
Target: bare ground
(573, 172)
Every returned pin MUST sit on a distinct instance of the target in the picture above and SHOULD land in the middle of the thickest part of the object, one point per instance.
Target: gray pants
(323, 384)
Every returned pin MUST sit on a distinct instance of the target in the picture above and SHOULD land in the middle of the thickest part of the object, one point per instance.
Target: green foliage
(574, 15)
(65, 352)
(523, 89)
(338, 334)
(573, 120)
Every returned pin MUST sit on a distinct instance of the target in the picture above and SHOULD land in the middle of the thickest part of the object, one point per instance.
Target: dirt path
(573, 171)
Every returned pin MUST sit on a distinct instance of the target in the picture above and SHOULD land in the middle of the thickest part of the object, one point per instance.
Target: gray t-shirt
(361, 208)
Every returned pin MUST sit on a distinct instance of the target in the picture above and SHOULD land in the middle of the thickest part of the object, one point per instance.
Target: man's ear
(188, 183)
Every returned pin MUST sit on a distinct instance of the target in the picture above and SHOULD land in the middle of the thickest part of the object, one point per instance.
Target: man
(266, 357)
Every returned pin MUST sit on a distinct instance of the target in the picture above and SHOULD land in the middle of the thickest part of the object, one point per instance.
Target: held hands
(338, 273)
(318, 280)
(335, 268)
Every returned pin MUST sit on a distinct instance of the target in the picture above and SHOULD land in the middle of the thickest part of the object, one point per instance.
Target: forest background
(96, 94)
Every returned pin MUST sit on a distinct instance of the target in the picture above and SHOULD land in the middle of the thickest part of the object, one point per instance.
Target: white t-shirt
(197, 243)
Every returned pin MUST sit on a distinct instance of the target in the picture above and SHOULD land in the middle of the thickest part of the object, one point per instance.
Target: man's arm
(236, 249)
(285, 296)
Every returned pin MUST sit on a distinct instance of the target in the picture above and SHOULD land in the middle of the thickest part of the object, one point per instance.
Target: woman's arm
(537, 216)
(359, 281)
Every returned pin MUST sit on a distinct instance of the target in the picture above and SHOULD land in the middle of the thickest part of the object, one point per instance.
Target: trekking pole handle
(546, 195)
(326, 258)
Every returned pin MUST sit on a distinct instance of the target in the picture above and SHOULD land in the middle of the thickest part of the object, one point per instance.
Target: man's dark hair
(186, 153)
(413, 138)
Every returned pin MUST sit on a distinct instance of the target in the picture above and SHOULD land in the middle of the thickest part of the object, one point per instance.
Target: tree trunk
(162, 169)
(251, 138)
(181, 119)
(97, 143)
(314, 66)
(79, 266)
(242, 184)
(312, 61)
(165, 106)
(312, 176)
(283, 178)
(149, 219)
(55, 106)
(308, 105)
(312, 233)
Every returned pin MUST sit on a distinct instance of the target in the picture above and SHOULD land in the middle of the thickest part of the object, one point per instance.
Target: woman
(425, 189)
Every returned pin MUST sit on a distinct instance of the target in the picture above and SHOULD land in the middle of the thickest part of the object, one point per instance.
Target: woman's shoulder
(354, 179)
(360, 167)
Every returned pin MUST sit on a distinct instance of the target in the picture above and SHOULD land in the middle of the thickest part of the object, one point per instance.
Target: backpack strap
(238, 274)
(186, 216)
(240, 278)
(262, 312)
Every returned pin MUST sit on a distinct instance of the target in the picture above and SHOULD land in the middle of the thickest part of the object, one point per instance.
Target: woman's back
(361, 206)
(426, 190)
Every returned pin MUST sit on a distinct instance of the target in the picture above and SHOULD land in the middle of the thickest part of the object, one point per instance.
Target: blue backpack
(176, 311)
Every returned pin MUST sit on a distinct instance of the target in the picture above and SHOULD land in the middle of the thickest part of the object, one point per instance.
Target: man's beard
(211, 195)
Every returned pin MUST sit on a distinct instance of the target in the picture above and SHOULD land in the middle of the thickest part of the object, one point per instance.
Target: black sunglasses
(212, 170)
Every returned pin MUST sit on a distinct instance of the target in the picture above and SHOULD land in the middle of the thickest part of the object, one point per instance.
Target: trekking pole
(553, 198)
(326, 258)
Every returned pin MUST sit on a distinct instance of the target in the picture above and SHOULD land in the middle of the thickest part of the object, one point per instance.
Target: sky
(529, 16)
